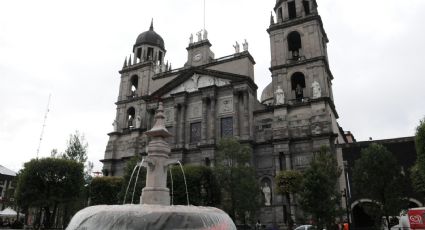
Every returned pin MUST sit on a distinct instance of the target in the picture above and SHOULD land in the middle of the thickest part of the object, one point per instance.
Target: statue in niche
(199, 34)
(280, 96)
(130, 122)
(299, 92)
(237, 47)
(138, 121)
(267, 194)
(317, 91)
(191, 39)
(115, 125)
(245, 45)
(205, 34)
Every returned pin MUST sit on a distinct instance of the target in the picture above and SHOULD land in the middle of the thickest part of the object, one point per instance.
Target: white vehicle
(306, 227)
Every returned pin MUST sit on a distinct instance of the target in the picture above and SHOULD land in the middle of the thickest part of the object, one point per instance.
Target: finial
(129, 61)
(125, 63)
(271, 18)
(159, 129)
(151, 28)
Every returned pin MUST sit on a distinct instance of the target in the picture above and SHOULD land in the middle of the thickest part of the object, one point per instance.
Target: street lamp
(347, 193)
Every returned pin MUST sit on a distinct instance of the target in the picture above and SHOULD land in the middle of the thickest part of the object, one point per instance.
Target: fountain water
(155, 211)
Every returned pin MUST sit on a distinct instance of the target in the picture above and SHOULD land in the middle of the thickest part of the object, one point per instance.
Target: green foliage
(378, 175)
(319, 196)
(239, 186)
(288, 182)
(104, 190)
(48, 183)
(76, 149)
(418, 170)
(202, 186)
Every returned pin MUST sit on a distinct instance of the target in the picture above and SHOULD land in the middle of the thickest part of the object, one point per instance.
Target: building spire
(151, 28)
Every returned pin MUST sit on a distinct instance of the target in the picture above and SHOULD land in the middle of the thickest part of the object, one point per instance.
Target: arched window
(134, 81)
(294, 44)
(131, 113)
(298, 85)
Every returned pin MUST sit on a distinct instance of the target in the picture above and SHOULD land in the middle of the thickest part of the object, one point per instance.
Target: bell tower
(303, 116)
(299, 59)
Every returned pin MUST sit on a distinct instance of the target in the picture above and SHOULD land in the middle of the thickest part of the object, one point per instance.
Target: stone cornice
(304, 62)
(214, 62)
(298, 21)
(271, 109)
(199, 44)
(135, 67)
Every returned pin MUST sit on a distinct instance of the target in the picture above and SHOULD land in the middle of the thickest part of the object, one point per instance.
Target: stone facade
(210, 98)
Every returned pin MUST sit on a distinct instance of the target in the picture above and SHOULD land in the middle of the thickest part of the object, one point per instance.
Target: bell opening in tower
(150, 54)
(131, 113)
(306, 5)
(292, 10)
(294, 45)
(298, 85)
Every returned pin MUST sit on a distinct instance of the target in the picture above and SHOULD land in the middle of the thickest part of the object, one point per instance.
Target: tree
(418, 170)
(76, 148)
(240, 189)
(104, 190)
(320, 196)
(46, 184)
(288, 182)
(378, 175)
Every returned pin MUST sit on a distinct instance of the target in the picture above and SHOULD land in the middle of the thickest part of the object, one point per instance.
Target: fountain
(154, 210)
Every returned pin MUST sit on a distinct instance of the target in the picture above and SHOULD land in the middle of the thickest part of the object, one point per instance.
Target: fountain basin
(152, 217)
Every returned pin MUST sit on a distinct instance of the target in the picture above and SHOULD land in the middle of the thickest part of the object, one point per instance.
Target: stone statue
(280, 96)
(317, 91)
(199, 34)
(138, 121)
(237, 48)
(205, 34)
(130, 122)
(267, 194)
(115, 125)
(157, 69)
(245, 46)
(299, 92)
(191, 39)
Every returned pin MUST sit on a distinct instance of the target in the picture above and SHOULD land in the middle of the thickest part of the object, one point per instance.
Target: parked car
(306, 227)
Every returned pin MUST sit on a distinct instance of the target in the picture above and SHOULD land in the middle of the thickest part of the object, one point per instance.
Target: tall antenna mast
(204, 14)
(44, 125)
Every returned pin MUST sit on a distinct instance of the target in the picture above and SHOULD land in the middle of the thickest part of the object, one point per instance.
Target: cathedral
(210, 98)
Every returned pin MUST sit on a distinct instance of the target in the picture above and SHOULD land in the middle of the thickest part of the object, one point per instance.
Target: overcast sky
(73, 50)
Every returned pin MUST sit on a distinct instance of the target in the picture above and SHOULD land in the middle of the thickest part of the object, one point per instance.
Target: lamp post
(347, 193)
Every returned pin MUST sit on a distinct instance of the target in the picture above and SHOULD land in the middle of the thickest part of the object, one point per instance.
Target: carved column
(175, 124)
(182, 124)
(246, 114)
(236, 116)
(204, 119)
(212, 120)
(149, 119)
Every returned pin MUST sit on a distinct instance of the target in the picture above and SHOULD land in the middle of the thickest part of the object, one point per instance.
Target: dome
(267, 95)
(150, 37)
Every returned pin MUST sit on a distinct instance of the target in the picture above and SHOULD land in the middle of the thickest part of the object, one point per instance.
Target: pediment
(196, 82)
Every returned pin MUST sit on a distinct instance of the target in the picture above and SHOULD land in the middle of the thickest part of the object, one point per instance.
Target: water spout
(129, 182)
(137, 179)
(185, 183)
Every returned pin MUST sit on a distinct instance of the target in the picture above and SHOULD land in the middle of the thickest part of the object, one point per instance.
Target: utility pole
(44, 125)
